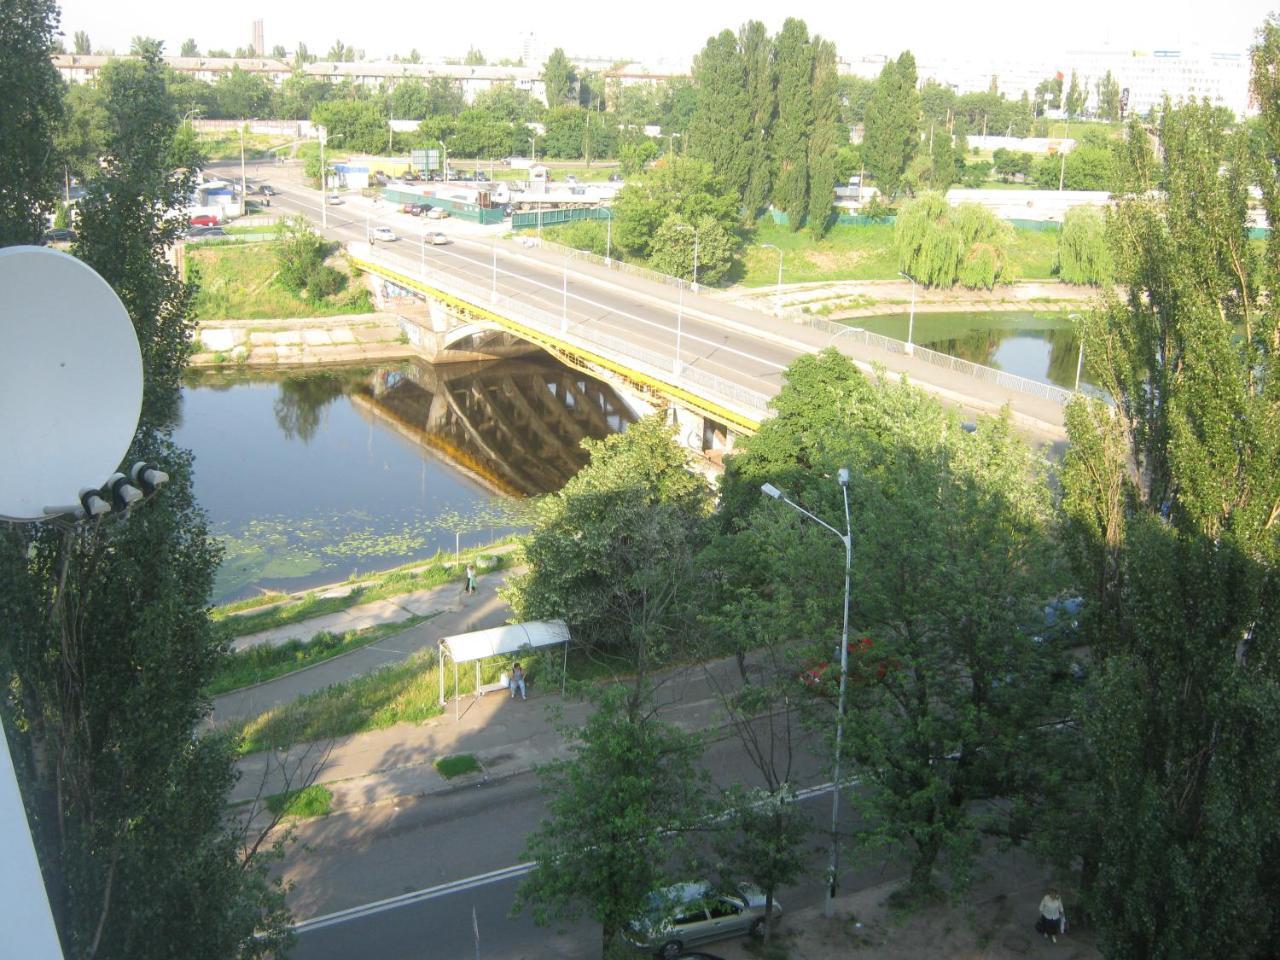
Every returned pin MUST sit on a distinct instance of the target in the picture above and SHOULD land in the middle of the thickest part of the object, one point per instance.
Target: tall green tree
(559, 79)
(1108, 94)
(474, 58)
(1172, 499)
(720, 132)
(794, 125)
(189, 48)
(1084, 254)
(762, 98)
(892, 126)
(242, 95)
(83, 46)
(674, 248)
(824, 138)
(1076, 96)
(676, 186)
(602, 849)
(30, 114)
(108, 645)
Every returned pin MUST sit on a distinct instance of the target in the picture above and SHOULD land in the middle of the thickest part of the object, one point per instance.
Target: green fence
(456, 208)
(528, 219)
(857, 220)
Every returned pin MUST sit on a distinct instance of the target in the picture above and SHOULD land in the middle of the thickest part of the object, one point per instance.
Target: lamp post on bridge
(911, 318)
(777, 297)
(1080, 358)
(687, 228)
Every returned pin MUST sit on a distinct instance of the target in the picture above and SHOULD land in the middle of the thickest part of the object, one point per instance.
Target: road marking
(469, 883)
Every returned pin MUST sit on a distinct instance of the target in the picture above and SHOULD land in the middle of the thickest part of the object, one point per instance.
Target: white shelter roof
(510, 638)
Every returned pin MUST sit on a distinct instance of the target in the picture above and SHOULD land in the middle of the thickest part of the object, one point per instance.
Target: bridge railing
(614, 264)
(652, 363)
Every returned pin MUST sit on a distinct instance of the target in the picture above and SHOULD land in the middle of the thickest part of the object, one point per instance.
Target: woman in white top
(1051, 915)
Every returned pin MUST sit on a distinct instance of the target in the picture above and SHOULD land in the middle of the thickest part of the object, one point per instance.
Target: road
(484, 259)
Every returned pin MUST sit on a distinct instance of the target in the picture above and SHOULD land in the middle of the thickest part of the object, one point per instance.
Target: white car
(437, 213)
(436, 238)
(693, 913)
(384, 233)
(333, 200)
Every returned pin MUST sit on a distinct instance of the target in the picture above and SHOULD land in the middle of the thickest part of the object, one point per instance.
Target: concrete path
(454, 613)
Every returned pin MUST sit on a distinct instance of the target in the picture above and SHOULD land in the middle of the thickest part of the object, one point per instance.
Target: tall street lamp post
(777, 297)
(911, 318)
(324, 190)
(686, 228)
(828, 907)
(1080, 358)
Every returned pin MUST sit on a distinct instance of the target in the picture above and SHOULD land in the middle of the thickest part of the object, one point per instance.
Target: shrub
(325, 281)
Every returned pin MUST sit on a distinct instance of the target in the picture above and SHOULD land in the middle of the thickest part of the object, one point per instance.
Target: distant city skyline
(670, 32)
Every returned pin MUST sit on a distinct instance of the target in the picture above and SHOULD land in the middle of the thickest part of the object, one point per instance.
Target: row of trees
(1151, 782)
(107, 645)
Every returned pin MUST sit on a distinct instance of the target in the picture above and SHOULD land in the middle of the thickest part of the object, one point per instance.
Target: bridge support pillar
(701, 433)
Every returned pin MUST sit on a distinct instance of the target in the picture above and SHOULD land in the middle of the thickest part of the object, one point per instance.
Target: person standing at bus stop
(517, 681)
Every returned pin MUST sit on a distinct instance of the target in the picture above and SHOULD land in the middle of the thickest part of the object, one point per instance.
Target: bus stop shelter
(501, 641)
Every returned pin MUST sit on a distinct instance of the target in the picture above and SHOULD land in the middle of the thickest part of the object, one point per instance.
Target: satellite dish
(70, 380)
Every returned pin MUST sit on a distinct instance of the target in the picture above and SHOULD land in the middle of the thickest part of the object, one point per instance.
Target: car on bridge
(333, 200)
(385, 234)
(204, 220)
(436, 238)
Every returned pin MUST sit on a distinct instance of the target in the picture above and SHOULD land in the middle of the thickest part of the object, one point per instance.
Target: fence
(530, 218)
(999, 378)
(614, 264)
(651, 363)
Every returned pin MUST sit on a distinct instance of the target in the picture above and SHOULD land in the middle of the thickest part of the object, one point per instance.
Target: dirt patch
(829, 261)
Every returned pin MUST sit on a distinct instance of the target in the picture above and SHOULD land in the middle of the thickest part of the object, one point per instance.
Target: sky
(675, 30)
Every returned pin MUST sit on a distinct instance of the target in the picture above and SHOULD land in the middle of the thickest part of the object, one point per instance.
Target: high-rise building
(259, 46)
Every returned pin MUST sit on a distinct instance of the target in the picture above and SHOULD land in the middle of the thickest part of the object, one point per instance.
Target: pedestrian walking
(1053, 916)
(471, 578)
(517, 681)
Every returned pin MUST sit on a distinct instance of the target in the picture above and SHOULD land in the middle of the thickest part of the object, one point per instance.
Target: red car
(204, 220)
(862, 668)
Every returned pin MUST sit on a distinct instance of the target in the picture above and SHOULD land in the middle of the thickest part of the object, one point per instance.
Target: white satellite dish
(70, 380)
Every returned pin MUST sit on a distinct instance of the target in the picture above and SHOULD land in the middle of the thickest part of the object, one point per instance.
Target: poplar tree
(795, 121)
(761, 82)
(559, 79)
(1173, 497)
(825, 136)
(892, 131)
(720, 131)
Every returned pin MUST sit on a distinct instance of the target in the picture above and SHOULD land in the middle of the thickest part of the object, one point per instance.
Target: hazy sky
(673, 29)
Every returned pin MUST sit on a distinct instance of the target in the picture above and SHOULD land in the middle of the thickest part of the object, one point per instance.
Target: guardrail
(1000, 378)
(609, 264)
(655, 365)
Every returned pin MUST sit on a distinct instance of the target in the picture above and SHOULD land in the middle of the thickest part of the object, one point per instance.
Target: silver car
(692, 913)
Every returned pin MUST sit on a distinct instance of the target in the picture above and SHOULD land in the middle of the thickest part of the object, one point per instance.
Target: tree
(824, 138)
(507, 103)
(942, 160)
(1083, 252)
(762, 99)
(720, 131)
(30, 113)
(601, 849)
(83, 47)
(673, 249)
(361, 124)
(1171, 500)
(892, 126)
(444, 98)
(940, 246)
(474, 58)
(559, 79)
(301, 56)
(141, 46)
(791, 132)
(299, 95)
(189, 48)
(410, 100)
(675, 186)
(1108, 93)
(242, 95)
(340, 52)
(1076, 96)
(123, 788)
(278, 52)
(952, 560)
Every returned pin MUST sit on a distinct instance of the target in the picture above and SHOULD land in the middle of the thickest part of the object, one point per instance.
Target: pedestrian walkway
(453, 612)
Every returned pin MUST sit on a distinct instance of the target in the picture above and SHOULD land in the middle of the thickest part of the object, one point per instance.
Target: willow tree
(1084, 255)
(939, 245)
(1173, 498)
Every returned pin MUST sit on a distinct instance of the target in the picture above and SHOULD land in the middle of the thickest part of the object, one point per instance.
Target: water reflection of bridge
(515, 425)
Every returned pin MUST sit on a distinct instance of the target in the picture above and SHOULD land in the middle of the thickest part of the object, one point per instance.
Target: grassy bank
(236, 282)
(225, 145)
(391, 584)
(242, 668)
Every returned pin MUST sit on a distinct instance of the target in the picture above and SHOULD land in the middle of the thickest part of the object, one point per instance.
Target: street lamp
(445, 164)
(608, 237)
(1080, 358)
(911, 319)
(846, 538)
(694, 230)
(324, 194)
(777, 299)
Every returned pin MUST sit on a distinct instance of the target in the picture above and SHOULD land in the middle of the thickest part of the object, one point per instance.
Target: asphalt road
(646, 323)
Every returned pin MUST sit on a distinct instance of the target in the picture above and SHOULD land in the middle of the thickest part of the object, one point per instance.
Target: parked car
(385, 234)
(615, 178)
(203, 233)
(571, 179)
(411, 177)
(381, 179)
(333, 200)
(690, 913)
(437, 213)
(205, 220)
(59, 235)
(413, 209)
(436, 238)
(267, 190)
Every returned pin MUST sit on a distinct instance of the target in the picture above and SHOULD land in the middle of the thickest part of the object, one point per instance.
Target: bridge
(713, 364)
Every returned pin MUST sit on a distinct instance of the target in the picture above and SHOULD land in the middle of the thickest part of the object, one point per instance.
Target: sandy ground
(996, 922)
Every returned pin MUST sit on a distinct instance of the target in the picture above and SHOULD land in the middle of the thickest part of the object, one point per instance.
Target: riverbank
(301, 341)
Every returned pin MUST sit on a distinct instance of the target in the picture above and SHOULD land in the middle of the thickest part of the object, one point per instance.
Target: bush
(325, 281)
(940, 246)
(1083, 253)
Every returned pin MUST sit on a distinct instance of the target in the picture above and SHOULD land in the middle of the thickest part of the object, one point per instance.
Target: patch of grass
(312, 801)
(450, 767)
(258, 664)
(248, 603)
(1032, 254)
(236, 282)
(225, 145)
(391, 584)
